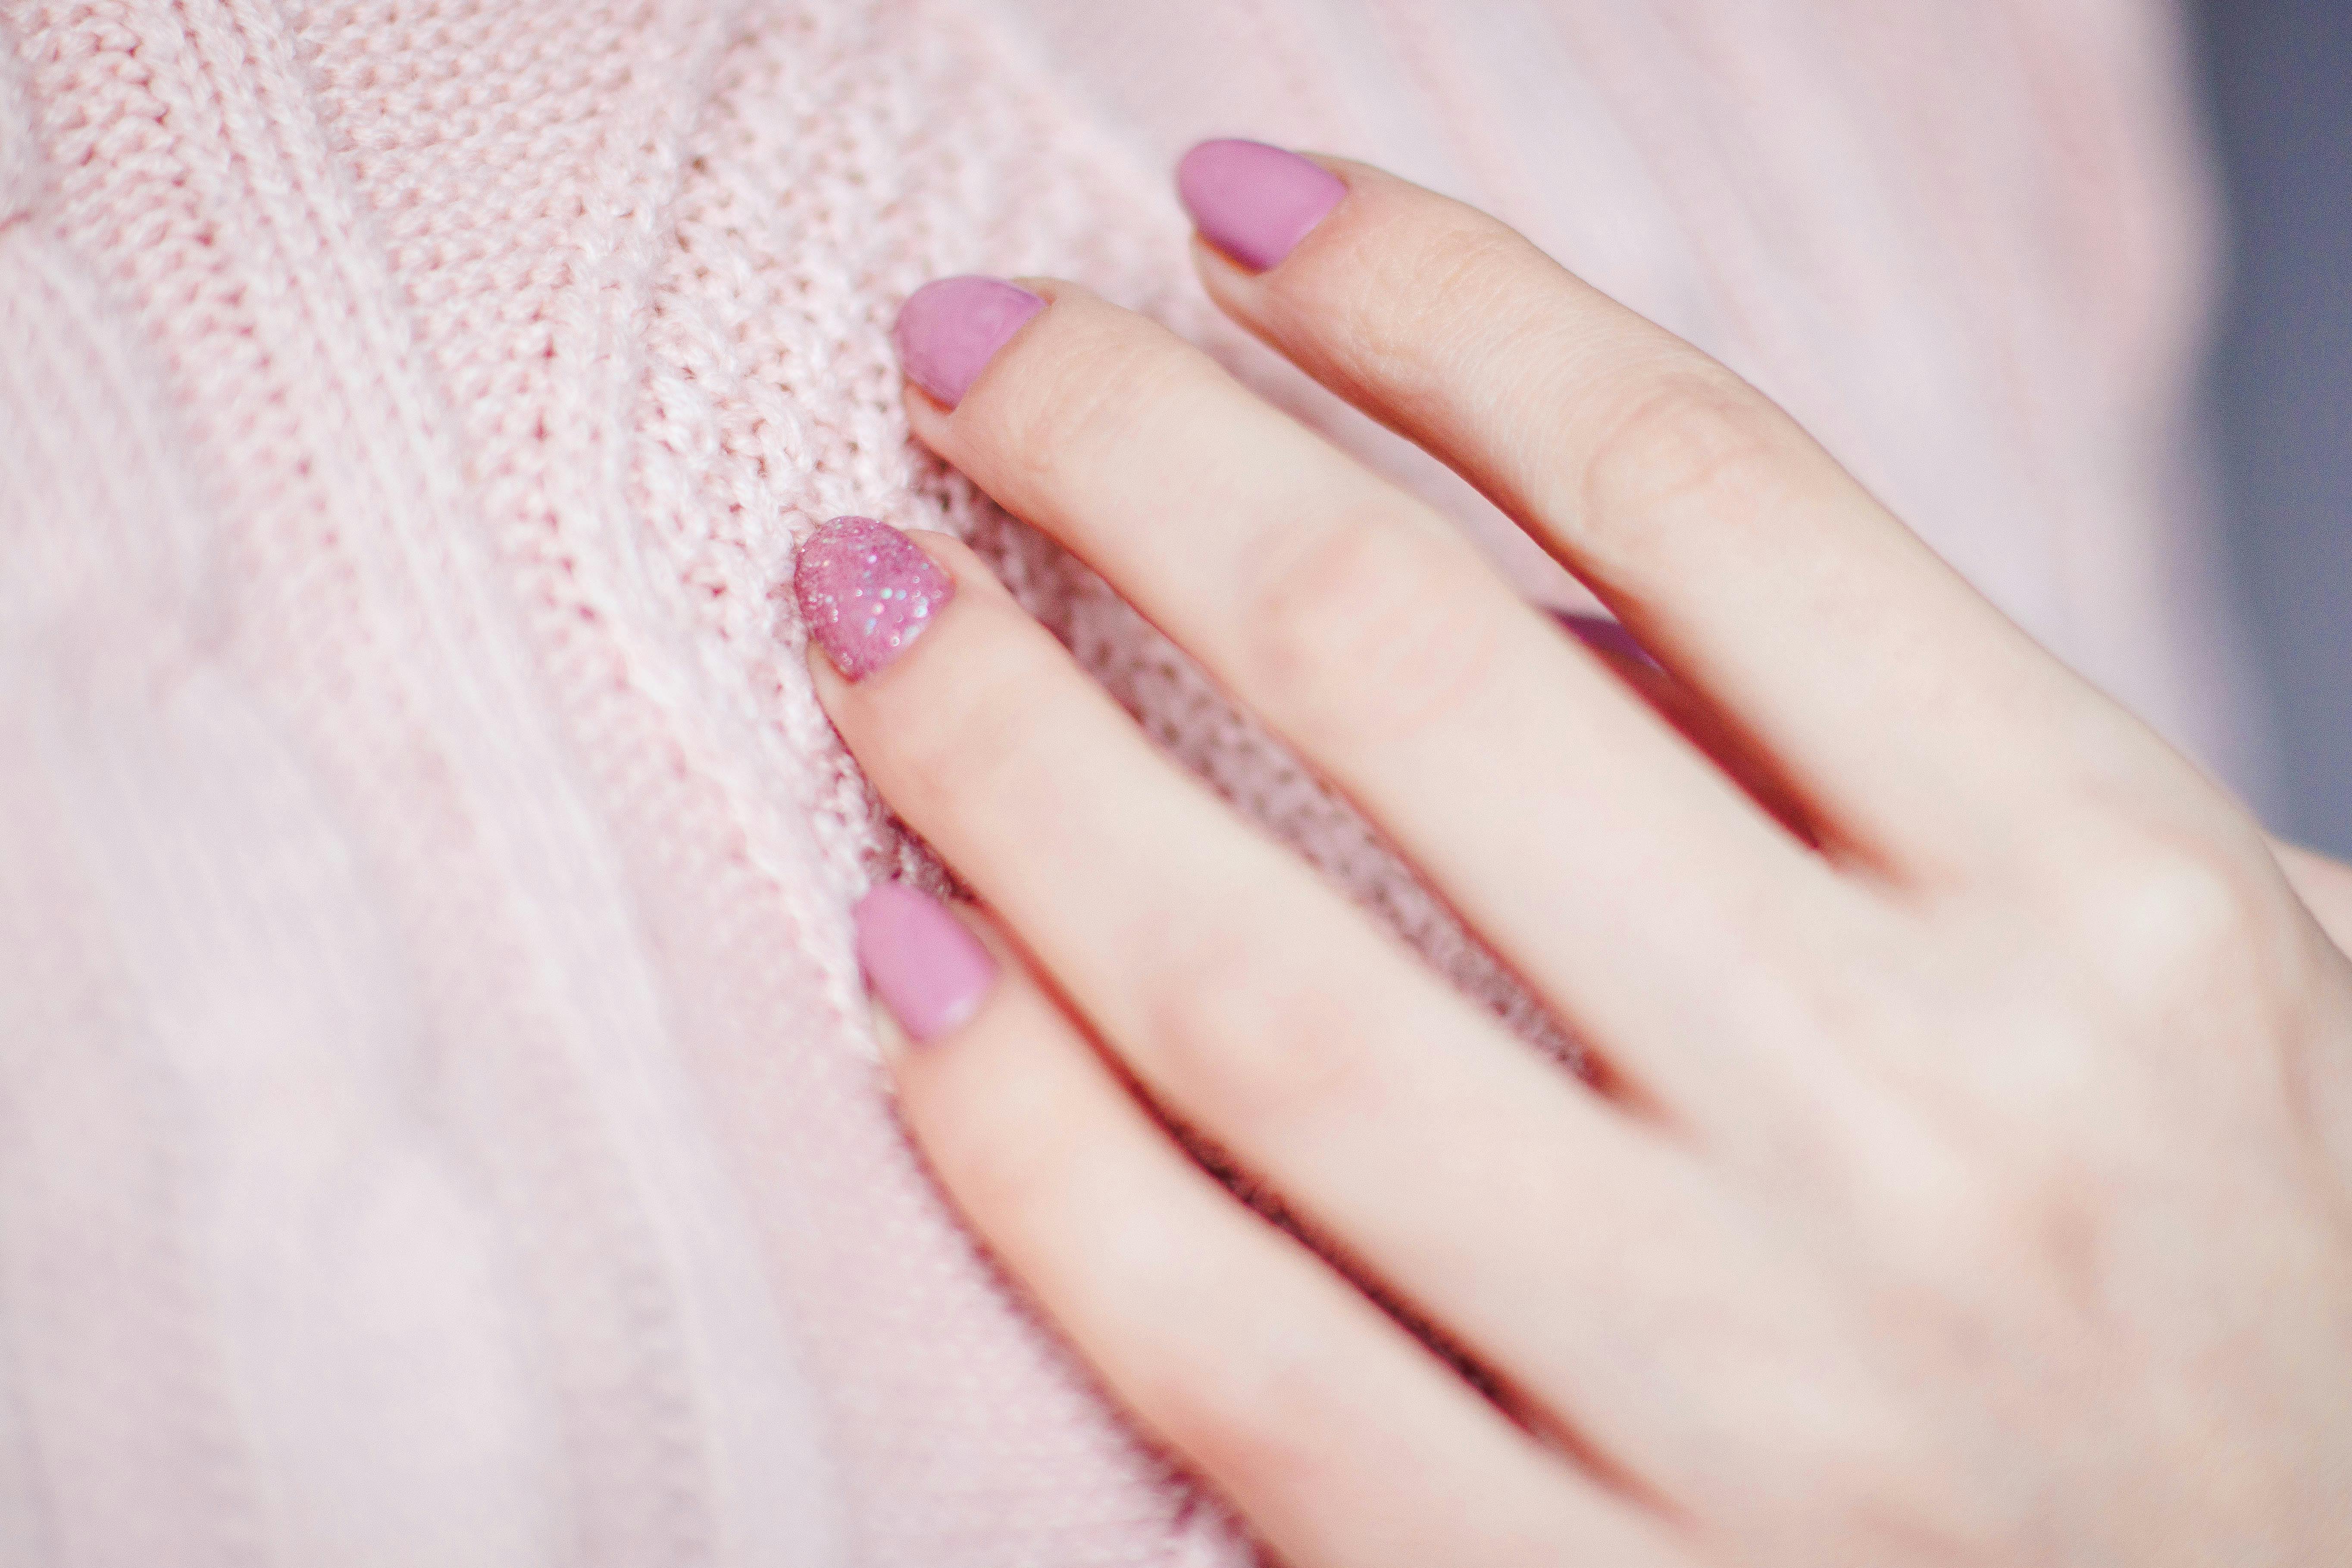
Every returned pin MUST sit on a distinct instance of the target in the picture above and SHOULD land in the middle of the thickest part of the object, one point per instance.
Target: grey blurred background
(2279, 74)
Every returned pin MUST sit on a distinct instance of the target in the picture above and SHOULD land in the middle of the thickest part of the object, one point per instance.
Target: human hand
(1968, 1177)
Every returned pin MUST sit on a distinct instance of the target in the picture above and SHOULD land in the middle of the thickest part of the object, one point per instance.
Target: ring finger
(1262, 1009)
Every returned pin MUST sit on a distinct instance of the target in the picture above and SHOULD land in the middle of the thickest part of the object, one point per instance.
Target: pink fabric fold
(437, 1121)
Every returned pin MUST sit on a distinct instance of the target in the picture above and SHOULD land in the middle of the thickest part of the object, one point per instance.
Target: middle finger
(1578, 832)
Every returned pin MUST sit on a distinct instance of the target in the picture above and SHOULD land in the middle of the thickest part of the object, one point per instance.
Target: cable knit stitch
(436, 1120)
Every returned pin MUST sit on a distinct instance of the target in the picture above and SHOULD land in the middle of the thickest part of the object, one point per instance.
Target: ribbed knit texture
(437, 1122)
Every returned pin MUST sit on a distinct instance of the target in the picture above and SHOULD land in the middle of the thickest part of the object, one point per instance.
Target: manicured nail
(1604, 636)
(949, 329)
(926, 968)
(1254, 201)
(865, 593)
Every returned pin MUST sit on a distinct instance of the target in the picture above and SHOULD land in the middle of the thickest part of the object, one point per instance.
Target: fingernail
(1254, 201)
(865, 593)
(929, 971)
(949, 329)
(1602, 635)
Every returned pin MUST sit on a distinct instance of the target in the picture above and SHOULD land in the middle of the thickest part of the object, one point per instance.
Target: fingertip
(849, 644)
(865, 592)
(1254, 201)
(949, 331)
(924, 963)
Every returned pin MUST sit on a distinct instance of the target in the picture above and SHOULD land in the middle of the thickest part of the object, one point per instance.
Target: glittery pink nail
(925, 967)
(865, 593)
(1254, 201)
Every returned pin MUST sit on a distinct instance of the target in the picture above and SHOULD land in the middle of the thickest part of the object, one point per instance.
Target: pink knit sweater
(436, 1120)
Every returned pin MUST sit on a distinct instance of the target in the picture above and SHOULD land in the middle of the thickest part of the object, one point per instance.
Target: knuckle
(2055, 1214)
(1428, 284)
(1246, 1046)
(1259, 1407)
(1368, 631)
(978, 742)
(2041, 1231)
(1689, 439)
(2041, 1205)
(2160, 911)
(2021, 1229)
(1008, 1150)
(1086, 391)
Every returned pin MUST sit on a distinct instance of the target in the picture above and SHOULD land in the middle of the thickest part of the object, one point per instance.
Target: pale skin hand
(1975, 1184)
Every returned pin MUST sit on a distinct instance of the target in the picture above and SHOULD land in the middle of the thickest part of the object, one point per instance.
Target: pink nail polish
(865, 593)
(1254, 201)
(1602, 635)
(929, 971)
(949, 329)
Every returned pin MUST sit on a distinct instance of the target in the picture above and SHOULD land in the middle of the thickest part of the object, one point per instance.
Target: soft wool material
(436, 1116)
